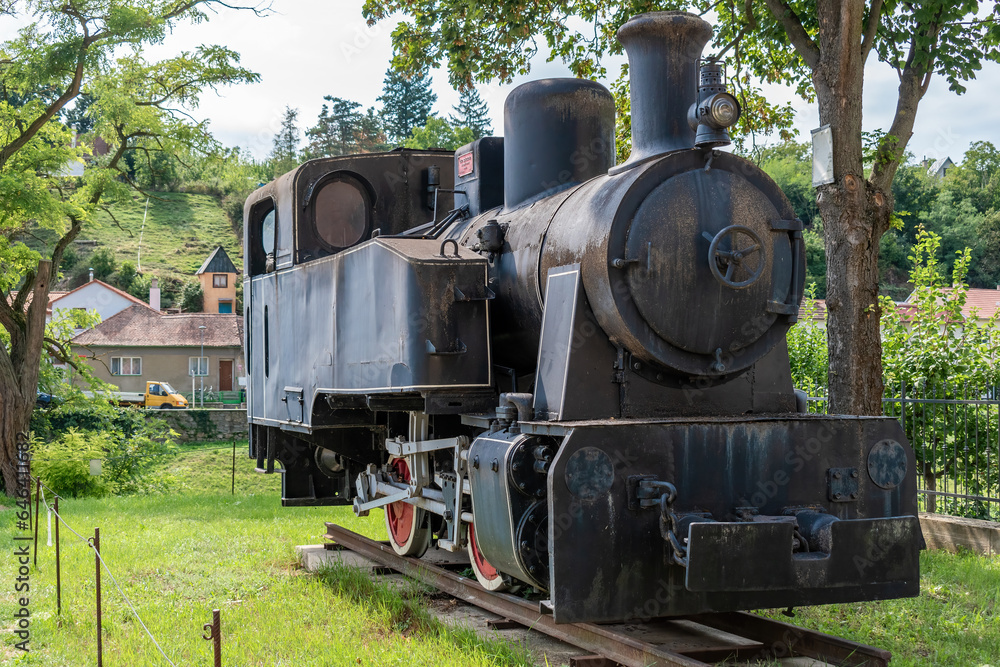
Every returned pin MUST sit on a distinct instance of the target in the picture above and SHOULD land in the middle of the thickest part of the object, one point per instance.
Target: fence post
(58, 571)
(215, 636)
(38, 495)
(233, 490)
(96, 543)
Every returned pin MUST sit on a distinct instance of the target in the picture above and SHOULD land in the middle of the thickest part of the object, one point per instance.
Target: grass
(179, 556)
(954, 621)
(198, 548)
(181, 230)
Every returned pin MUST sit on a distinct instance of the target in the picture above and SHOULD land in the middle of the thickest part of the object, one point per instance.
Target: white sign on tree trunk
(822, 156)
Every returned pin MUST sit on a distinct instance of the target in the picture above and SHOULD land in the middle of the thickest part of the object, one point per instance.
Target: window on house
(220, 280)
(126, 365)
(198, 366)
(226, 307)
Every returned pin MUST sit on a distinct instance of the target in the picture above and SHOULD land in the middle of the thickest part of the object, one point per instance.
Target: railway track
(692, 641)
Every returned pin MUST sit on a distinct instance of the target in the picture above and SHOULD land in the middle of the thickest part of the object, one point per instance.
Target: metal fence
(954, 430)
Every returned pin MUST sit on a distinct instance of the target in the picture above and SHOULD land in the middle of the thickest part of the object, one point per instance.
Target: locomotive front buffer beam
(679, 517)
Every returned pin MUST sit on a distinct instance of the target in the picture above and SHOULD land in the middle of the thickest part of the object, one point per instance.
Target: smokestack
(154, 294)
(663, 51)
(91, 275)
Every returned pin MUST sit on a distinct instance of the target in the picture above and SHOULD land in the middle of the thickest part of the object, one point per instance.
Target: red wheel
(408, 527)
(487, 575)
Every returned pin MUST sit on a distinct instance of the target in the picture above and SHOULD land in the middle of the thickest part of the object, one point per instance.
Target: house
(940, 168)
(140, 344)
(218, 282)
(96, 295)
(983, 302)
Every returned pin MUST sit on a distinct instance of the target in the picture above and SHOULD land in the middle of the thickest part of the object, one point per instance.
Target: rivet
(836, 475)
(475, 462)
(854, 496)
(838, 496)
(854, 474)
(495, 465)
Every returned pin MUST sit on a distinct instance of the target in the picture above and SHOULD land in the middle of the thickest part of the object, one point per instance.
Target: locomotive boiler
(575, 371)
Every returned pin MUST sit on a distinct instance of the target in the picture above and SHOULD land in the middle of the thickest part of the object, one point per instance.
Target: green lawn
(181, 554)
(181, 230)
(178, 556)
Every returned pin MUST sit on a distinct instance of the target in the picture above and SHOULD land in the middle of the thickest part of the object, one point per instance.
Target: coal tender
(575, 371)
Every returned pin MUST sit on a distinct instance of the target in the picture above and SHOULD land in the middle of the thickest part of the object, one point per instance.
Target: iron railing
(954, 430)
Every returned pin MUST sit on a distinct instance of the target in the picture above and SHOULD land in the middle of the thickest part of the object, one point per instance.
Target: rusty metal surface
(624, 650)
(694, 641)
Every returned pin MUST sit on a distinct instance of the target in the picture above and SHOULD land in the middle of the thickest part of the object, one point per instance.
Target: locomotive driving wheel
(408, 526)
(487, 575)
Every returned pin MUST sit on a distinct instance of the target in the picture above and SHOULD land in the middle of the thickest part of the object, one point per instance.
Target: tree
(285, 152)
(439, 133)
(342, 129)
(192, 297)
(336, 129)
(472, 112)
(819, 47)
(406, 102)
(139, 107)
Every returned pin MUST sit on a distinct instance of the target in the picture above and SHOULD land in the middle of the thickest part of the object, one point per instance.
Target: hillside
(180, 232)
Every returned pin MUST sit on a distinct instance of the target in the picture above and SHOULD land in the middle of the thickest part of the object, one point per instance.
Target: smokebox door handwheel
(736, 256)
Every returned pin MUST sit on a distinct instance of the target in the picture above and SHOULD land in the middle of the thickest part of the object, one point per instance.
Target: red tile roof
(985, 301)
(144, 327)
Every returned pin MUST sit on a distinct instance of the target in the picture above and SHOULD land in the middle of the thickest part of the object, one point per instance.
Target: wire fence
(94, 544)
(954, 430)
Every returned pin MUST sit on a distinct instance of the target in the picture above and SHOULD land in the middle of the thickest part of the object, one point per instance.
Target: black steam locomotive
(574, 370)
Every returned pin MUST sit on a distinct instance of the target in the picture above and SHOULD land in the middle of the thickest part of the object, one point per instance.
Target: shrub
(192, 298)
(128, 442)
(63, 464)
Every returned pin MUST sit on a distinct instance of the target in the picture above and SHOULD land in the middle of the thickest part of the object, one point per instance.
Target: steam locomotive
(575, 371)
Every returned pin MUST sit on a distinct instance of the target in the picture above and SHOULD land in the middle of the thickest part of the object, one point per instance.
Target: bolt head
(838, 496)
(836, 475)
(854, 474)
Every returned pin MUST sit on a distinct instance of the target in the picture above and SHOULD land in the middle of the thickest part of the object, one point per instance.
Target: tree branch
(797, 35)
(874, 18)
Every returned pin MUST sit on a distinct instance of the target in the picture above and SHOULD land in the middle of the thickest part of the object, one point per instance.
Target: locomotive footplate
(748, 522)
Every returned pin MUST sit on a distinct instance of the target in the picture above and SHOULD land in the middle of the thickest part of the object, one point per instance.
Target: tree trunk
(853, 229)
(852, 212)
(16, 420)
(19, 368)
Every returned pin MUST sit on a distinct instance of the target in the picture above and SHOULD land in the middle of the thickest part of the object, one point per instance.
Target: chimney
(154, 294)
(91, 275)
(663, 52)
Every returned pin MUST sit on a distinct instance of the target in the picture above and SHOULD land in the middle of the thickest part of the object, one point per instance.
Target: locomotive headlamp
(715, 110)
(723, 111)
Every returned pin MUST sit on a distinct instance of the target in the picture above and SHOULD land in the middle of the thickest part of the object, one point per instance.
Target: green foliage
(807, 347)
(790, 165)
(439, 133)
(129, 444)
(931, 342)
(342, 129)
(192, 297)
(63, 464)
(406, 102)
(472, 112)
(102, 261)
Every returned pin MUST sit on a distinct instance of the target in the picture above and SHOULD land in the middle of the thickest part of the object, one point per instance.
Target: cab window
(341, 212)
(263, 237)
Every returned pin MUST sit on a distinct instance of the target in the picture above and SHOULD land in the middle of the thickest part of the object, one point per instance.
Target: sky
(307, 49)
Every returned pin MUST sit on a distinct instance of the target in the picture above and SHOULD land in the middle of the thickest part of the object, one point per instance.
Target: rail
(695, 641)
